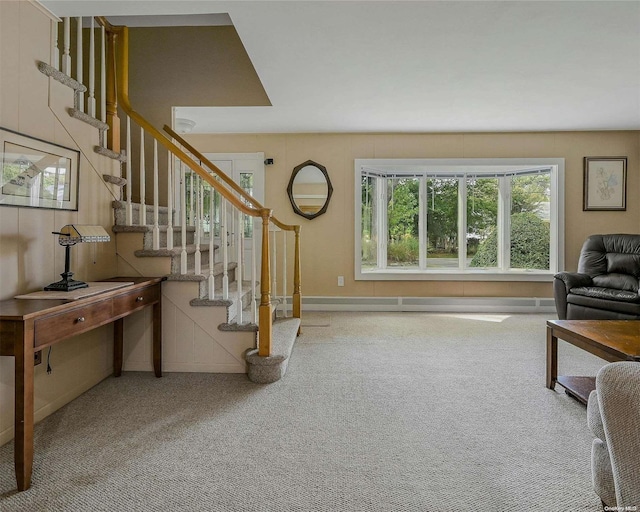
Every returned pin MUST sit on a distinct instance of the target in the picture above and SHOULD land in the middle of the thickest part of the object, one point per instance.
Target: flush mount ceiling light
(184, 125)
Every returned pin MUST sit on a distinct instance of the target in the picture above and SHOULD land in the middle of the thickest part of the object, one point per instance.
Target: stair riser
(233, 309)
(203, 290)
(191, 261)
(147, 241)
(120, 215)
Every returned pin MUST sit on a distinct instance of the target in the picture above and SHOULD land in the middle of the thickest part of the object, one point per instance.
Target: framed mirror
(309, 189)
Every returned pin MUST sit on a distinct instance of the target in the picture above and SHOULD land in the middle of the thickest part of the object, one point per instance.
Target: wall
(328, 241)
(30, 256)
(185, 66)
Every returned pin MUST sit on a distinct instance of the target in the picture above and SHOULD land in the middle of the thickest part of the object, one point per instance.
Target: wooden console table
(30, 325)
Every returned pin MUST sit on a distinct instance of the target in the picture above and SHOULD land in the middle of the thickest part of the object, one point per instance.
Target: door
(247, 170)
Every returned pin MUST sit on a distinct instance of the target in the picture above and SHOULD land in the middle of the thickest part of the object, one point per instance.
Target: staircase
(218, 315)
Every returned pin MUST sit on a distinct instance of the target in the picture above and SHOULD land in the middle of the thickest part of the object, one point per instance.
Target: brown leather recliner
(606, 284)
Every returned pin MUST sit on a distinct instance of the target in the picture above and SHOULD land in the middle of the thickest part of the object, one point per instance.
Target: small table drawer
(70, 323)
(135, 300)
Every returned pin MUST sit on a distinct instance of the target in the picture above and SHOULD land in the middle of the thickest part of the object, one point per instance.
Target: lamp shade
(72, 234)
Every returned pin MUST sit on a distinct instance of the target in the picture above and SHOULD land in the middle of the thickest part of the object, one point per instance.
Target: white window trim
(556, 249)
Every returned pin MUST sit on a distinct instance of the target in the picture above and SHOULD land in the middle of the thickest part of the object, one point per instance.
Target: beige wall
(30, 256)
(328, 240)
(185, 66)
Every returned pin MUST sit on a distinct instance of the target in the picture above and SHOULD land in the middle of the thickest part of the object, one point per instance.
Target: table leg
(23, 451)
(552, 358)
(118, 342)
(157, 338)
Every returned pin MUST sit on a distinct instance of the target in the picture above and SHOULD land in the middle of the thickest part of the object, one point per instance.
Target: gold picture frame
(37, 174)
(605, 183)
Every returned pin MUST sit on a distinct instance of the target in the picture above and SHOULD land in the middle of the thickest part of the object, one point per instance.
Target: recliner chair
(613, 415)
(606, 284)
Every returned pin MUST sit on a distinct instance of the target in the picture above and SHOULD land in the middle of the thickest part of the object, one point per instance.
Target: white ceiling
(448, 66)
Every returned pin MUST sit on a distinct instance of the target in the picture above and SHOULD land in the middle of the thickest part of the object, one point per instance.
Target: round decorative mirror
(309, 189)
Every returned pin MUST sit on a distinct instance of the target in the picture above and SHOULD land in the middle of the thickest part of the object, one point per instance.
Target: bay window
(459, 219)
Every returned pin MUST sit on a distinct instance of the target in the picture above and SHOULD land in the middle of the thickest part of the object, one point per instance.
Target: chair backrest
(612, 261)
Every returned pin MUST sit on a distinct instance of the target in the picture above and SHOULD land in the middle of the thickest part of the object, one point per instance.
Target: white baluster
(274, 267)
(211, 244)
(55, 60)
(183, 217)
(103, 84)
(143, 184)
(191, 180)
(170, 188)
(224, 236)
(156, 198)
(284, 273)
(254, 264)
(239, 237)
(91, 101)
(198, 226)
(79, 60)
(129, 176)
(66, 55)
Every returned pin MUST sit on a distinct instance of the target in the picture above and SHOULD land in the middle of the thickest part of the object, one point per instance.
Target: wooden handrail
(225, 177)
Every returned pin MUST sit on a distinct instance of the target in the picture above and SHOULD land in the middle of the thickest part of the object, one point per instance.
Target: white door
(247, 170)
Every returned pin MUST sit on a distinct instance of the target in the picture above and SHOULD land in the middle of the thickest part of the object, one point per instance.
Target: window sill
(453, 275)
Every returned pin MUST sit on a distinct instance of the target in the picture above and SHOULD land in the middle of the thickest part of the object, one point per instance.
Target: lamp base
(66, 284)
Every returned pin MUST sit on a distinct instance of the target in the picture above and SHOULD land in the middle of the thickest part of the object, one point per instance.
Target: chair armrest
(618, 396)
(562, 283)
(574, 279)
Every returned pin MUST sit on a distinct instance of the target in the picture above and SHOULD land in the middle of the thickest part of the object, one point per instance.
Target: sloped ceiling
(378, 66)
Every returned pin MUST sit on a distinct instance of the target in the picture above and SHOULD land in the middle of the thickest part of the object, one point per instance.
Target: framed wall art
(37, 174)
(605, 183)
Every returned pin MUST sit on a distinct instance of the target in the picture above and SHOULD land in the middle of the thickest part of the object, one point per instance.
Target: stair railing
(231, 195)
(196, 176)
(278, 227)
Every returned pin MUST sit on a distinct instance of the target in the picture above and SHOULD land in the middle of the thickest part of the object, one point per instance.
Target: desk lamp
(70, 235)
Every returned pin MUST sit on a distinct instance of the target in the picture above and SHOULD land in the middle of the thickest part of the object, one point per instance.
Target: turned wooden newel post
(113, 133)
(297, 296)
(264, 311)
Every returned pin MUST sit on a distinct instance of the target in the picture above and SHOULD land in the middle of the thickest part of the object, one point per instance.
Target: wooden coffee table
(612, 340)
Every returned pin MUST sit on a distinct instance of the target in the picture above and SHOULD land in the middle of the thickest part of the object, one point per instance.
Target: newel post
(297, 296)
(264, 311)
(113, 133)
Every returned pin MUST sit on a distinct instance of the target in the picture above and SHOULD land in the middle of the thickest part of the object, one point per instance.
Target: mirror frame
(295, 172)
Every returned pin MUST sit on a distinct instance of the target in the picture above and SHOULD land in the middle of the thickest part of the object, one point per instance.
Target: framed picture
(37, 174)
(605, 183)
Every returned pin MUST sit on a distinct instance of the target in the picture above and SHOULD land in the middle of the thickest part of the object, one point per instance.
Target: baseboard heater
(436, 304)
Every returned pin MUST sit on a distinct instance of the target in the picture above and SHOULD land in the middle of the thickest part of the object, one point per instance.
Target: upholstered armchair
(606, 284)
(613, 415)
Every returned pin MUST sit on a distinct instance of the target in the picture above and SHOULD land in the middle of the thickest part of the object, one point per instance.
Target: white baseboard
(435, 304)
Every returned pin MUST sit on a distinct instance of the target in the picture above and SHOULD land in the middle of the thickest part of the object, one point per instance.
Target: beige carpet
(378, 412)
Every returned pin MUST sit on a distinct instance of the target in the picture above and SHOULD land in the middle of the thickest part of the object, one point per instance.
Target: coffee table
(612, 340)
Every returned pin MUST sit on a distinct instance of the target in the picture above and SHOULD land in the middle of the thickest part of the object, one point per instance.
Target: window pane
(246, 182)
(482, 222)
(402, 221)
(442, 222)
(369, 233)
(530, 218)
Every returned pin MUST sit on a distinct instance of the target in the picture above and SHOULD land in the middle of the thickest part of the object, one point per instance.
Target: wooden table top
(22, 309)
(620, 335)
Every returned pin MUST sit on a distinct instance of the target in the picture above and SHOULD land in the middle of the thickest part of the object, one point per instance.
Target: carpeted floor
(378, 412)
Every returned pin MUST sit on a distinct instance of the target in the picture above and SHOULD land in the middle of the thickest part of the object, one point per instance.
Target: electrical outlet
(340, 280)
(37, 358)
